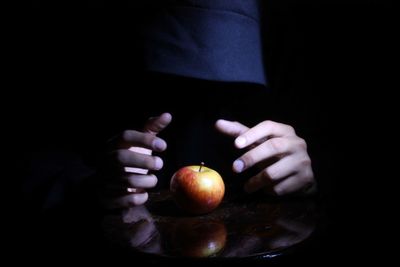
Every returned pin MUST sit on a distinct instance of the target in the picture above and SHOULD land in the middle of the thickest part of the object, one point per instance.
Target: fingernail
(159, 144)
(240, 142)
(238, 165)
(158, 163)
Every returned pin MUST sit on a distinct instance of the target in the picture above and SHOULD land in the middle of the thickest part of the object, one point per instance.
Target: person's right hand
(129, 162)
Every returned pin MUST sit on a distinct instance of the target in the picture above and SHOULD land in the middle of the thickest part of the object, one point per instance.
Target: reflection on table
(238, 228)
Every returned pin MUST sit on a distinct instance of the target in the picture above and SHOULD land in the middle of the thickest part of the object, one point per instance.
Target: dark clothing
(199, 60)
(212, 40)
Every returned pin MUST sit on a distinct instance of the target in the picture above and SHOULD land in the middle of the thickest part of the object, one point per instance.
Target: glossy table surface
(241, 227)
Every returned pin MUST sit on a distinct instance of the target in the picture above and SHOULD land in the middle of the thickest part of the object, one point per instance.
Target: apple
(198, 238)
(197, 189)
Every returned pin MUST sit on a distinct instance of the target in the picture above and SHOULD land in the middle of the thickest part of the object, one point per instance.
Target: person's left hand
(282, 155)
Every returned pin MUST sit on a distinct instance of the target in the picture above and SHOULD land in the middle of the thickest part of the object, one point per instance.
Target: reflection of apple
(198, 239)
(197, 189)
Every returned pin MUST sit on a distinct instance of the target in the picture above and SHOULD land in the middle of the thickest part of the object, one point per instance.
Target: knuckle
(304, 181)
(308, 180)
(270, 173)
(248, 159)
(305, 162)
(308, 177)
(237, 124)
(158, 126)
(146, 162)
(278, 145)
(302, 144)
(267, 123)
(290, 129)
(150, 162)
(148, 139)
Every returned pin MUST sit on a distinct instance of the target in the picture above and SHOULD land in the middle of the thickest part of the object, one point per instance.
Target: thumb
(154, 125)
(231, 128)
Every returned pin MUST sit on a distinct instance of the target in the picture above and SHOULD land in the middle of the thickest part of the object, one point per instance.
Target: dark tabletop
(243, 227)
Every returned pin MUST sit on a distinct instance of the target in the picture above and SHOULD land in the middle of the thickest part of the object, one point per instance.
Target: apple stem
(201, 166)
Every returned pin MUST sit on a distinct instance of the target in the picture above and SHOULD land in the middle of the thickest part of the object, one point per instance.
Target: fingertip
(159, 145)
(238, 166)
(158, 163)
(218, 124)
(240, 142)
(224, 126)
(166, 117)
(155, 179)
(222, 123)
(154, 125)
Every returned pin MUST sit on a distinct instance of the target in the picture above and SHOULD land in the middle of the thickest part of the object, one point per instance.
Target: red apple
(197, 189)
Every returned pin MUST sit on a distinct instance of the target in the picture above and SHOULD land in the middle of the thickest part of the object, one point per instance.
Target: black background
(330, 66)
